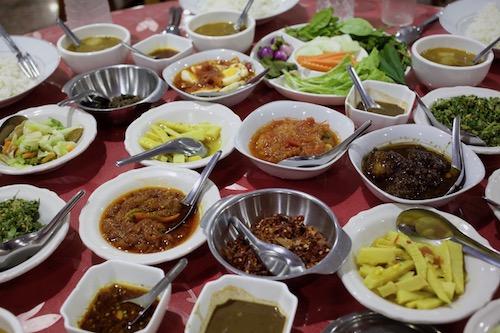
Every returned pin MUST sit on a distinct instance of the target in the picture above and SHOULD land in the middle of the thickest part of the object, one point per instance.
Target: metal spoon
(19, 249)
(492, 202)
(9, 125)
(477, 59)
(175, 20)
(277, 259)
(67, 31)
(315, 160)
(79, 97)
(428, 224)
(411, 33)
(457, 158)
(253, 81)
(186, 146)
(242, 19)
(466, 137)
(188, 204)
(146, 300)
(135, 50)
(368, 102)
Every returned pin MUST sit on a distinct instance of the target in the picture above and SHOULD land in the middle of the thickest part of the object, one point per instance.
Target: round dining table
(39, 293)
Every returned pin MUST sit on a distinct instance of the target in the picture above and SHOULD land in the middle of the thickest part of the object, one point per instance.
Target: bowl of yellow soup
(100, 47)
(214, 30)
(446, 61)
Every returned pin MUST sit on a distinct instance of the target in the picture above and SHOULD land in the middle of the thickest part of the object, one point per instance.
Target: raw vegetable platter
(339, 76)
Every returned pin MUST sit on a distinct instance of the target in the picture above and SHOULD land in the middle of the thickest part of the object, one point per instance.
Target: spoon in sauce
(457, 158)
(9, 125)
(316, 160)
(466, 137)
(369, 104)
(479, 57)
(146, 300)
(277, 259)
(67, 31)
(175, 20)
(431, 225)
(186, 146)
(242, 19)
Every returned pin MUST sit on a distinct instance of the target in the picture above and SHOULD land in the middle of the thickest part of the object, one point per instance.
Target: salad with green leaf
(33, 143)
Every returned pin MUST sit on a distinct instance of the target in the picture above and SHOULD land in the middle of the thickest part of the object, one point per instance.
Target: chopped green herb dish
(479, 115)
(34, 143)
(18, 217)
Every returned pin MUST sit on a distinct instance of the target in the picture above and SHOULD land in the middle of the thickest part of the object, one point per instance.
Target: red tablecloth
(321, 298)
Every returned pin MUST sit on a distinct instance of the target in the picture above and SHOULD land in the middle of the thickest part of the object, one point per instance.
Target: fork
(24, 60)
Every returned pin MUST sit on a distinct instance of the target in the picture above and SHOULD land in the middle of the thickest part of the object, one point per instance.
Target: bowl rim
(487, 62)
(254, 115)
(341, 244)
(160, 86)
(93, 25)
(405, 114)
(191, 31)
(467, 151)
(11, 320)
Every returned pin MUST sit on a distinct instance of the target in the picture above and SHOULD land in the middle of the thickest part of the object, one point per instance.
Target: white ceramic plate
(363, 228)
(69, 117)
(9, 322)
(195, 6)
(229, 99)
(185, 112)
(50, 204)
(492, 191)
(170, 177)
(44, 54)
(457, 16)
(485, 320)
(427, 136)
(419, 116)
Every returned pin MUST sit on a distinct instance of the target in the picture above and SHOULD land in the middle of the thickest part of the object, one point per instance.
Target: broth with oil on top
(218, 29)
(93, 44)
(449, 56)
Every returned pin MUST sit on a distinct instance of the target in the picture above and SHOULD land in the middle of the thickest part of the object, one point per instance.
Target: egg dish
(214, 75)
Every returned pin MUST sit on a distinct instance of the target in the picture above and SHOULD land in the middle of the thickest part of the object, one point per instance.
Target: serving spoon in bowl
(433, 226)
(19, 249)
(186, 146)
(316, 160)
(242, 19)
(411, 33)
(478, 58)
(9, 125)
(277, 259)
(457, 157)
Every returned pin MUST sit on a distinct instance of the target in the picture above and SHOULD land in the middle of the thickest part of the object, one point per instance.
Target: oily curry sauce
(137, 221)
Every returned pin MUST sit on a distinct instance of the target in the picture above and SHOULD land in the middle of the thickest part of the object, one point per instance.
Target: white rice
(259, 9)
(12, 79)
(485, 26)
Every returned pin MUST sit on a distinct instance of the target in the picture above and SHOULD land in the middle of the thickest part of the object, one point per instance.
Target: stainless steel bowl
(113, 81)
(252, 206)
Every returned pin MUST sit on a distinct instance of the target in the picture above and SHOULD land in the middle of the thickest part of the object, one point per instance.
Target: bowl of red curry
(283, 129)
(296, 220)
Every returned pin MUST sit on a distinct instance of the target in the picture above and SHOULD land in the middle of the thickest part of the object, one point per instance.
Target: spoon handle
(478, 250)
(161, 149)
(430, 20)
(163, 283)
(133, 49)
(368, 102)
(56, 221)
(243, 229)
(67, 31)
(243, 17)
(485, 50)
(192, 197)
(175, 16)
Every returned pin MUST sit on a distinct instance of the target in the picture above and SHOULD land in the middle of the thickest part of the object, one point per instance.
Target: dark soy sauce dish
(163, 53)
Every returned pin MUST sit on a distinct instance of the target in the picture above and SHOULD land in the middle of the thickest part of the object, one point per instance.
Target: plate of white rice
(14, 84)
(477, 19)
(261, 10)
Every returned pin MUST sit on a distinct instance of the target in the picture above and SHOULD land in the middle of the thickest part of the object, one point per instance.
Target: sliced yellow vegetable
(445, 261)
(436, 285)
(412, 284)
(376, 279)
(388, 289)
(457, 265)
(425, 304)
(375, 256)
(412, 249)
(404, 296)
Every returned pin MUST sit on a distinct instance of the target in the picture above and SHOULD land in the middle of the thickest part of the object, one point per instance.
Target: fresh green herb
(479, 115)
(18, 217)
(357, 26)
(276, 67)
(390, 63)
(323, 23)
(337, 80)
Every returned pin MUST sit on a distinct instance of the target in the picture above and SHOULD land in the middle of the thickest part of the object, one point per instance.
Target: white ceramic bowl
(50, 204)
(185, 112)
(419, 116)
(181, 44)
(260, 290)
(363, 228)
(85, 61)
(398, 94)
(263, 115)
(240, 41)
(220, 54)
(99, 276)
(435, 75)
(485, 320)
(170, 177)
(43, 53)
(492, 191)
(68, 117)
(427, 136)
(9, 323)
